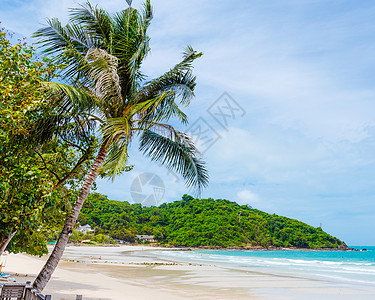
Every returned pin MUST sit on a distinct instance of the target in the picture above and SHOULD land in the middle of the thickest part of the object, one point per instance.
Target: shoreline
(274, 248)
(109, 272)
(188, 248)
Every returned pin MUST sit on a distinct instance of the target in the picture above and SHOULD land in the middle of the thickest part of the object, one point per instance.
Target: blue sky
(304, 73)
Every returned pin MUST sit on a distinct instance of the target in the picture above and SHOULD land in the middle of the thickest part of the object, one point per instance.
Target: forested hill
(202, 222)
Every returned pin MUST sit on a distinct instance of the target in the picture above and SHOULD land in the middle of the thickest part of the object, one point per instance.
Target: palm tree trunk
(52, 262)
(3, 238)
(4, 241)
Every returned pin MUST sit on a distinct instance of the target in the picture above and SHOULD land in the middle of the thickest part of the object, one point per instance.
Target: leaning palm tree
(103, 85)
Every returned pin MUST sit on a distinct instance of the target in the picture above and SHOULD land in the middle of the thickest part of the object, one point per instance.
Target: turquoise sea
(352, 267)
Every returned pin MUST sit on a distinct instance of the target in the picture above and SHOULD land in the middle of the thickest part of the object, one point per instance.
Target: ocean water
(352, 267)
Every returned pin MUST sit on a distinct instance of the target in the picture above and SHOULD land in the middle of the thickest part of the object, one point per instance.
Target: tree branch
(74, 170)
(45, 164)
(73, 144)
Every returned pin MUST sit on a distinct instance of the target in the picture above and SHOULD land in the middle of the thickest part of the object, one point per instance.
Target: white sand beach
(124, 273)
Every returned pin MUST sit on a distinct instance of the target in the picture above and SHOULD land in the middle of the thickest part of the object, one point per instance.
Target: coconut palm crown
(103, 84)
(103, 77)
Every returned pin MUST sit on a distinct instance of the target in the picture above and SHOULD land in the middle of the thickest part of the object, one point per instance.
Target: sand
(127, 272)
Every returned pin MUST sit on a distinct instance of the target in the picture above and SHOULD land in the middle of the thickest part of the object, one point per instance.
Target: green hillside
(202, 222)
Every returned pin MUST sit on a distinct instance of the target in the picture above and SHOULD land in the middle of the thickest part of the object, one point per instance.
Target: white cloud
(247, 197)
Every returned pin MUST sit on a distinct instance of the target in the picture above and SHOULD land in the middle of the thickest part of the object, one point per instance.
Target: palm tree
(104, 85)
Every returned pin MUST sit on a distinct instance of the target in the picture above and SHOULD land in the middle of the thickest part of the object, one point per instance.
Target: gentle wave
(356, 267)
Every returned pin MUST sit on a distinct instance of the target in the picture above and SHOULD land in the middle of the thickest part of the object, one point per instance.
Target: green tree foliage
(33, 201)
(78, 237)
(202, 222)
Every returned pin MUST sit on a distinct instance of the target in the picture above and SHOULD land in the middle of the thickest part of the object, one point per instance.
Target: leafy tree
(204, 223)
(33, 201)
(103, 81)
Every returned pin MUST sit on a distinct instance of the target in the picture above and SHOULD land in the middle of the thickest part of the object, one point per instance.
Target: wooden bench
(31, 294)
(21, 291)
(12, 291)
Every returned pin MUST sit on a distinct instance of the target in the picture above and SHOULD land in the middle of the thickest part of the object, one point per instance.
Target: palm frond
(147, 12)
(158, 97)
(117, 132)
(116, 160)
(179, 79)
(130, 45)
(61, 123)
(68, 45)
(66, 114)
(176, 154)
(103, 76)
(53, 38)
(72, 99)
(171, 133)
(96, 21)
(160, 108)
(117, 129)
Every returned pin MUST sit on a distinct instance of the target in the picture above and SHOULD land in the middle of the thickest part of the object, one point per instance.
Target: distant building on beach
(149, 238)
(85, 229)
(121, 241)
